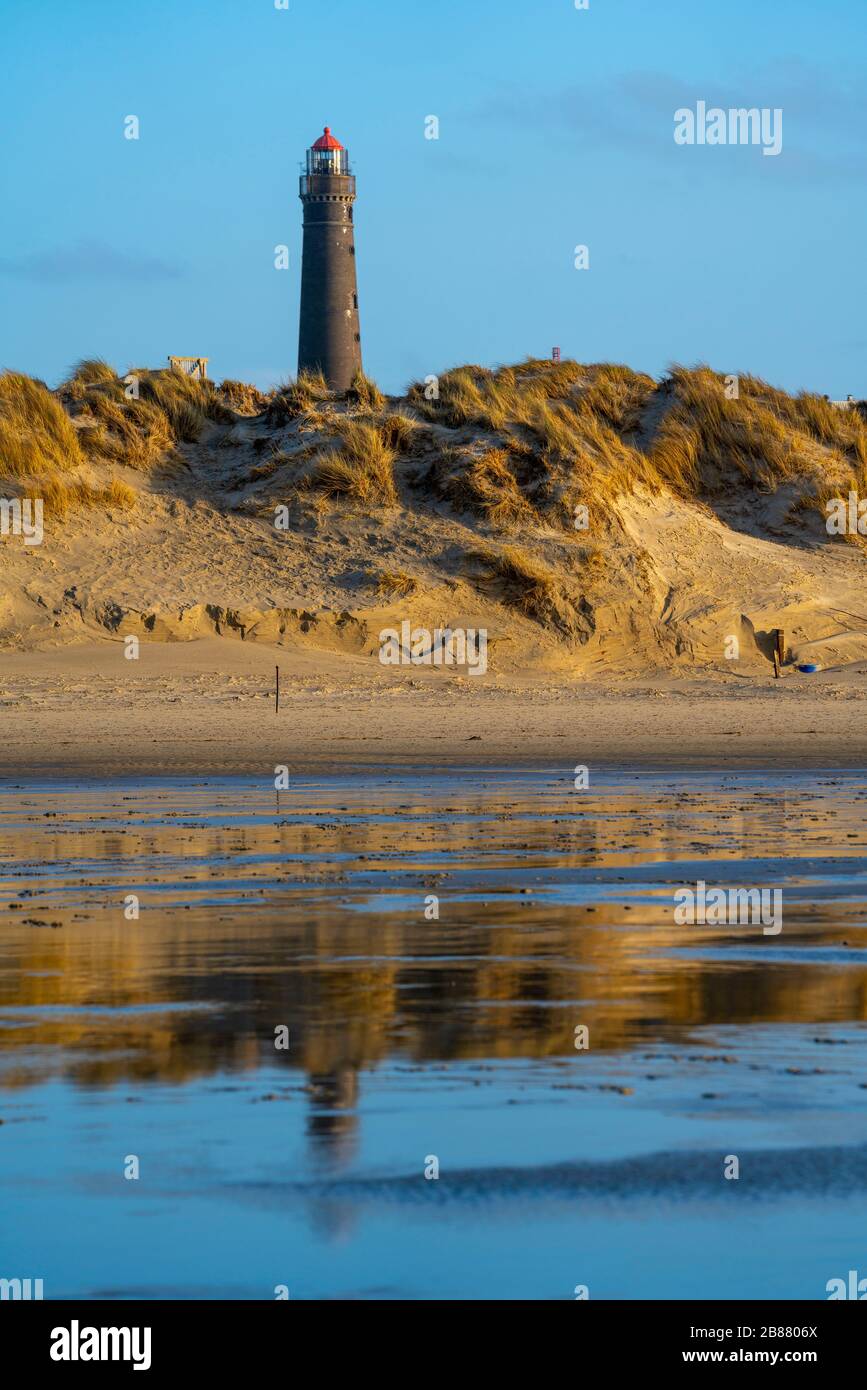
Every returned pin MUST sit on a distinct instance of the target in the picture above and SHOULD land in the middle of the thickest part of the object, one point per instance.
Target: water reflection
(427, 946)
(409, 917)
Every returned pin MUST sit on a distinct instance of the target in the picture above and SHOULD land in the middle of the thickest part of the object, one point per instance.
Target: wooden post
(776, 664)
(277, 692)
(781, 644)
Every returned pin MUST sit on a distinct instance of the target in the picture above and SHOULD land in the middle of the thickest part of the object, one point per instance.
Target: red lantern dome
(327, 141)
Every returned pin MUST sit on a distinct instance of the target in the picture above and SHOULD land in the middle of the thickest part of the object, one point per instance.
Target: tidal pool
(288, 1008)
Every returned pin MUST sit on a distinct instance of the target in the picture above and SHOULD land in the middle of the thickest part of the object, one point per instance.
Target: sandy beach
(208, 707)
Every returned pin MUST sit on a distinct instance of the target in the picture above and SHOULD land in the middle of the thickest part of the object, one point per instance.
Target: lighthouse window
(355, 301)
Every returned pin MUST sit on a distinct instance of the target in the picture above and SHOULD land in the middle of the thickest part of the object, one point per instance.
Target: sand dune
(454, 515)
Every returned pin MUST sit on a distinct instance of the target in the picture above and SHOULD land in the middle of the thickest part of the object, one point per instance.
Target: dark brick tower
(329, 339)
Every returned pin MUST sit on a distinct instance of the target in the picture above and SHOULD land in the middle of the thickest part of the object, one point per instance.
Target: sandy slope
(675, 579)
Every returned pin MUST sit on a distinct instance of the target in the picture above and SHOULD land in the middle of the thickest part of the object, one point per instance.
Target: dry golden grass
(243, 398)
(393, 583)
(61, 496)
(616, 395)
(37, 437)
(90, 371)
(559, 434)
(41, 450)
(483, 484)
(120, 494)
(139, 419)
(519, 446)
(293, 399)
(675, 455)
(817, 499)
(841, 428)
(560, 431)
(186, 402)
(706, 442)
(137, 433)
(579, 457)
(526, 584)
(493, 400)
(364, 391)
(399, 431)
(360, 468)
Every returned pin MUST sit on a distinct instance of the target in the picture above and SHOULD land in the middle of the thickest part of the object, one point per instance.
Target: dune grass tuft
(555, 431)
(37, 437)
(526, 584)
(90, 371)
(41, 450)
(138, 419)
(62, 495)
(359, 467)
(399, 431)
(492, 399)
(186, 402)
(364, 391)
(393, 583)
(135, 432)
(296, 397)
(242, 398)
(483, 484)
(708, 442)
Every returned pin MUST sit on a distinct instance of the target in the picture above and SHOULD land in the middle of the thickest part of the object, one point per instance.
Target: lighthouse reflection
(380, 923)
(332, 1122)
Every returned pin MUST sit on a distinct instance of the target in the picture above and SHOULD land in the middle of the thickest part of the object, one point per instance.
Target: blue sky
(556, 129)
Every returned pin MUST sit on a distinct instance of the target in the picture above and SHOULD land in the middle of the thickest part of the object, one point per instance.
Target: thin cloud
(823, 116)
(88, 260)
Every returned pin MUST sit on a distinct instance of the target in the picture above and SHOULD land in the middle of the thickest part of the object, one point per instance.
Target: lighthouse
(329, 338)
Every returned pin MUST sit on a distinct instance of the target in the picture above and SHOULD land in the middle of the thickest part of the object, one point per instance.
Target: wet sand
(414, 1036)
